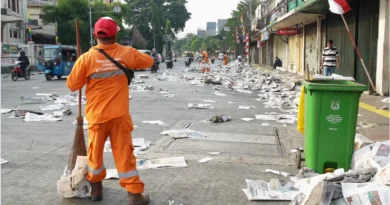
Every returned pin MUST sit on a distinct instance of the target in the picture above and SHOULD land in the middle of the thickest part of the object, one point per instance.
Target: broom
(79, 148)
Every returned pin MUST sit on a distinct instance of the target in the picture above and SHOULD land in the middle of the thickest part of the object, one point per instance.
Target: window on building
(41, 16)
(9, 3)
(10, 33)
(34, 22)
(13, 5)
(17, 6)
(15, 34)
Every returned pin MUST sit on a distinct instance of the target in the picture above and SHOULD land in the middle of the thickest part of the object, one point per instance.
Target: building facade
(296, 31)
(221, 24)
(41, 33)
(201, 33)
(211, 28)
(13, 21)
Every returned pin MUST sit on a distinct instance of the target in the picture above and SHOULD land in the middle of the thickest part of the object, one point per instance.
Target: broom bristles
(79, 148)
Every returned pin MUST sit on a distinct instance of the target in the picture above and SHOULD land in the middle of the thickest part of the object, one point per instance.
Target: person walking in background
(330, 59)
(225, 58)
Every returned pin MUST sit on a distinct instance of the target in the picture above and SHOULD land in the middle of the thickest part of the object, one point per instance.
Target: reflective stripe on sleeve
(106, 74)
(96, 171)
(129, 174)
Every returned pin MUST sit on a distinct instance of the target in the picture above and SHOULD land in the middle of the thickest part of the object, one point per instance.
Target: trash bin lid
(335, 85)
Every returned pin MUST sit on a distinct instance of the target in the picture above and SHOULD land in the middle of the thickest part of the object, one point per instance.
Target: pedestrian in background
(107, 109)
(330, 59)
(225, 58)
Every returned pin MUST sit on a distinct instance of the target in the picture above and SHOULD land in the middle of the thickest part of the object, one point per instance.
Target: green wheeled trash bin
(331, 109)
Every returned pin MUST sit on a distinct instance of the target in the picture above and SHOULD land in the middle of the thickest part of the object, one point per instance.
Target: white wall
(21, 38)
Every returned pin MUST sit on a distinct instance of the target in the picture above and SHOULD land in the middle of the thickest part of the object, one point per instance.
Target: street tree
(151, 17)
(66, 11)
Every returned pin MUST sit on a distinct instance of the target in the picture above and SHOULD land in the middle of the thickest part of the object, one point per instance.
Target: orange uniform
(225, 59)
(107, 110)
(205, 57)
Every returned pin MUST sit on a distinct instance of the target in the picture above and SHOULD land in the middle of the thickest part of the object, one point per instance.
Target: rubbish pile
(167, 76)
(219, 119)
(367, 182)
(142, 87)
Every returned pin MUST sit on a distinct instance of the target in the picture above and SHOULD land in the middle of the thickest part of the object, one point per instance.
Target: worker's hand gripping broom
(78, 148)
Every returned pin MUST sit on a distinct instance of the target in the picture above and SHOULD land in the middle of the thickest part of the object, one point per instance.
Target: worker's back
(107, 90)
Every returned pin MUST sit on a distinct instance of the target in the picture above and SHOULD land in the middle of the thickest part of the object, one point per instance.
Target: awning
(10, 19)
(305, 13)
(293, 18)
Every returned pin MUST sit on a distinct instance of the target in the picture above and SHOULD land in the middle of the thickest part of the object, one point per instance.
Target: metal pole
(358, 52)
(154, 35)
(249, 34)
(90, 26)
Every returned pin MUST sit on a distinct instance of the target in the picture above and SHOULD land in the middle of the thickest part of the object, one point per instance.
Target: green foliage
(66, 11)
(151, 17)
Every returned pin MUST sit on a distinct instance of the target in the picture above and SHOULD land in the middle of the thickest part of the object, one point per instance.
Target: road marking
(373, 109)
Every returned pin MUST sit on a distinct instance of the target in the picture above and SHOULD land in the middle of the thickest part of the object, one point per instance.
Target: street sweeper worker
(107, 109)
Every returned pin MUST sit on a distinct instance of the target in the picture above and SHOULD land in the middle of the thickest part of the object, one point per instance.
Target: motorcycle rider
(24, 61)
(155, 57)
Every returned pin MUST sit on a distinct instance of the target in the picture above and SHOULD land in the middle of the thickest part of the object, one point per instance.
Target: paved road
(38, 151)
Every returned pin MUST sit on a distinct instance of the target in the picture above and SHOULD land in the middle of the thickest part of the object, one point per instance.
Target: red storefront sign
(288, 31)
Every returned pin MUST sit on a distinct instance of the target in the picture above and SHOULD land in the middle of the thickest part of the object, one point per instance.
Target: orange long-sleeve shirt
(225, 60)
(205, 57)
(107, 91)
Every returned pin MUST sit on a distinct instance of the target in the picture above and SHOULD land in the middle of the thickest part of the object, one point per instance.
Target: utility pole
(249, 34)
(90, 26)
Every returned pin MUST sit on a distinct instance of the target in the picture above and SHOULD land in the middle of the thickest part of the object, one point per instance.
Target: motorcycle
(174, 59)
(187, 62)
(212, 60)
(169, 63)
(17, 72)
(154, 66)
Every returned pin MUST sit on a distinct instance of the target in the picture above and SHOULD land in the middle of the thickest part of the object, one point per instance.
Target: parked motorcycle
(212, 60)
(169, 63)
(17, 72)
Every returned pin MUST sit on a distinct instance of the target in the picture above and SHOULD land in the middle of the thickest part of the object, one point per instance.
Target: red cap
(106, 25)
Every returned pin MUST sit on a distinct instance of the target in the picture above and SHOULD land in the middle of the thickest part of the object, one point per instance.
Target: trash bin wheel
(298, 159)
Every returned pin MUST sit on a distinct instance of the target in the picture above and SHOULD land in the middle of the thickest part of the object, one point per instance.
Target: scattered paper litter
(215, 153)
(245, 107)
(265, 124)
(244, 91)
(200, 106)
(171, 162)
(156, 122)
(204, 160)
(247, 119)
(169, 95)
(267, 117)
(289, 119)
(139, 145)
(386, 100)
(183, 133)
(73, 182)
(3, 161)
(52, 107)
(231, 102)
(219, 94)
(285, 174)
(219, 118)
(209, 101)
(63, 112)
(261, 190)
(4, 111)
(30, 117)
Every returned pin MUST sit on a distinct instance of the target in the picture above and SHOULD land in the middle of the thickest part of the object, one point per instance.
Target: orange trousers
(119, 129)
